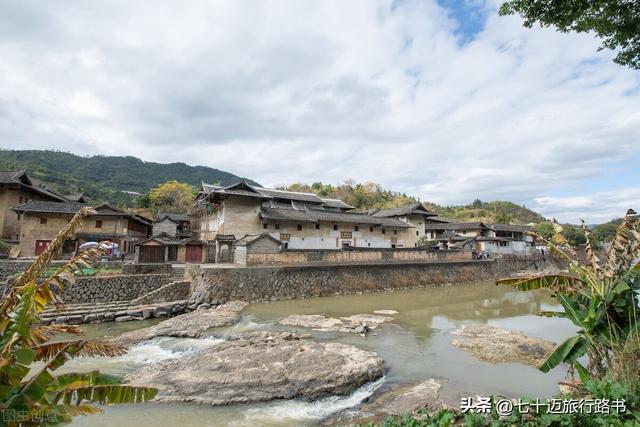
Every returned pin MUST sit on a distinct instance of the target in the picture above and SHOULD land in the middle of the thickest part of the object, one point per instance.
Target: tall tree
(616, 22)
(172, 196)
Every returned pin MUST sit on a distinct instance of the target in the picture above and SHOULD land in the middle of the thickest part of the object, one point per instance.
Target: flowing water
(415, 346)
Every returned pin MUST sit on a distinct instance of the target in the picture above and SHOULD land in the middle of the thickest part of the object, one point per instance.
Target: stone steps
(114, 311)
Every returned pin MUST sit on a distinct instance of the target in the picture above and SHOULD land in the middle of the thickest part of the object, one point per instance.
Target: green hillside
(370, 195)
(104, 178)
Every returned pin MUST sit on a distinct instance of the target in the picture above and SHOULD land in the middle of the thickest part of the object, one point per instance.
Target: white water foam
(166, 348)
(296, 411)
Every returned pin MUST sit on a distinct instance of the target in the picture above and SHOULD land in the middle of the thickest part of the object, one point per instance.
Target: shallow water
(415, 346)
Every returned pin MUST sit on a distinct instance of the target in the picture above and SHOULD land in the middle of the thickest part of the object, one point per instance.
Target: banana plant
(600, 297)
(31, 393)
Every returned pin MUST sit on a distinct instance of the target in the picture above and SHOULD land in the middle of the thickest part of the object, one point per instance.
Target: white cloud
(285, 91)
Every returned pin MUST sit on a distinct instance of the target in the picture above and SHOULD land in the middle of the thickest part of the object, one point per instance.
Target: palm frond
(625, 247)
(40, 264)
(84, 349)
(107, 394)
(592, 260)
(554, 282)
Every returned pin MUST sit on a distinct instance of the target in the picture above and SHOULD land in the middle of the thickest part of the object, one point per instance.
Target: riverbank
(416, 346)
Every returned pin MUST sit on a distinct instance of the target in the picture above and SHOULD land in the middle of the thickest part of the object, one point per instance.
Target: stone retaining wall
(258, 284)
(169, 292)
(113, 288)
(134, 268)
(290, 257)
(9, 268)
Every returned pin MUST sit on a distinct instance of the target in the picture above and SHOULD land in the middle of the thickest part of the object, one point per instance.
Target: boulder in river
(351, 324)
(190, 325)
(395, 401)
(495, 345)
(258, 367)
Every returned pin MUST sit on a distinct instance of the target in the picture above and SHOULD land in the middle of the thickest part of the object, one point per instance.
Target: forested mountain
(104, 178)
(371, 195)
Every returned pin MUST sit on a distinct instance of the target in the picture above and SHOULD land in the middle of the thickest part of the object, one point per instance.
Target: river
(417, 345)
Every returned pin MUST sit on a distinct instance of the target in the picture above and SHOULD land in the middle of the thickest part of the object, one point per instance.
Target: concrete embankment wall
(257, 284)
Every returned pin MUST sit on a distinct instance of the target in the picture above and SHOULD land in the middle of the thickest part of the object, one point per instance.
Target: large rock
(258, 367)
(495, 345)
(351, 324)
(396, 401)
(190, 325)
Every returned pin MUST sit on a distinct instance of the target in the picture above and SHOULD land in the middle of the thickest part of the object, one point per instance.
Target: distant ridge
(107, 178)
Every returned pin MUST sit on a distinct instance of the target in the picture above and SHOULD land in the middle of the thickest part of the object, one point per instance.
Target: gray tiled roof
(414, 208)
(510, 227)
(336, 203)
(251, 238)
(455, 226)
(315, 215)
(9, 177)
(290, 195)
(48, 206)
(179, 217)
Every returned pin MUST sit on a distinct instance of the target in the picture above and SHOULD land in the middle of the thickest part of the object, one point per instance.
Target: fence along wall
(305, 257)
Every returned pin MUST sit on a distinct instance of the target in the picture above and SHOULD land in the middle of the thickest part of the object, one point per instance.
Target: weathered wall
(348, 256)
(170, 292)
(165, 226)
(11, 267)
(107, 288)
(135, 268)
(288, 282)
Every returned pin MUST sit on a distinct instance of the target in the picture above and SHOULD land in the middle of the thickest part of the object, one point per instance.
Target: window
(417, 233)
(384, 231)
(318, 226)
(19, 217)
(277, 226)
(299, 227)
(335, 227)
(265, 226)
(286, 245)
(395, 231)
(20, 200)
(98, 224)
(355, 228)
(43, 221)
(370, 229)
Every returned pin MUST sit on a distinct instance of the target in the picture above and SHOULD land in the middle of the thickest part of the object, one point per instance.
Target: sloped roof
(455, 226)
(174, 216)
(250, 239)
(411, 209)
(76, 197)
(336, 203)
(21, 179)
(49, 206)
(509, 227)
(290, 195)
(315, 215)
(46, 206)
(164, 238)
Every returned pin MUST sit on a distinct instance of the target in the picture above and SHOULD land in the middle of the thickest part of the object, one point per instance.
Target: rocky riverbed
(261, 366)
(190, 325)
(495, 345)
(357, 323)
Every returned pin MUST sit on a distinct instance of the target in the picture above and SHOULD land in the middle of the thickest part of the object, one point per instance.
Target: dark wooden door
(151, 254)
(41, 245)
(194, 253)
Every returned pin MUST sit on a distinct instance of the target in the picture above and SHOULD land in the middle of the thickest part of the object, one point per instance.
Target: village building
(16, 188)
(173, 224)
(414, 214)
(257, 244)
(222, 215)
(163, 247)
(40, 222)
(480, 237)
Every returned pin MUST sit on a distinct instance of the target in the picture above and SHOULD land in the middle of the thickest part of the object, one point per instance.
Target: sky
(444, 100)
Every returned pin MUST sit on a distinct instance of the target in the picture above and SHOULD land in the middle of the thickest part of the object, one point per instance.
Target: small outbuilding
(163, 248)
(253, 245)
